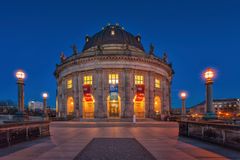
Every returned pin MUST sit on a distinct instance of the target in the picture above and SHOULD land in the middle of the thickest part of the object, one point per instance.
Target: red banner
(86, 89)
(139, 97)
(140, 88)
(88, 97)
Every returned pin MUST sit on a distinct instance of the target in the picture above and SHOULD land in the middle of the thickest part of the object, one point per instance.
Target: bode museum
(113, 77)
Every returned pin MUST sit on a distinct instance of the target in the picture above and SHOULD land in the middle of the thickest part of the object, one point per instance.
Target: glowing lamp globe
(45, 95)
(209, 74)
(183, 95)
(20, 74)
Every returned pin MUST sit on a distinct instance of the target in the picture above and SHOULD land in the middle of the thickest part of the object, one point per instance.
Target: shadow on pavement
(223, 151)
(20, 146)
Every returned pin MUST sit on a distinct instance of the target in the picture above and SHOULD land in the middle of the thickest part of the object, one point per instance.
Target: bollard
(134, 119)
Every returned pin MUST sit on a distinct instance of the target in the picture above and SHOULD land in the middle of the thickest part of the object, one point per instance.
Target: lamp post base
(210, 116)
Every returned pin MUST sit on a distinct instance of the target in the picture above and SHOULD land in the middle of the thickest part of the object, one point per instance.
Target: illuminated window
(138, 79)
(69, 83)
(113, 78)
(87, 80)
(157, 83)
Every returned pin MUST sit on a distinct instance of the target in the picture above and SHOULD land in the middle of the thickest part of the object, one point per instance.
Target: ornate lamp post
(45, 96)
(20, 82)
(209, 75)
(183, 96)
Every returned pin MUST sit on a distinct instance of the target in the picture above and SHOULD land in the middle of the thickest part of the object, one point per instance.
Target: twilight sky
(195, 34)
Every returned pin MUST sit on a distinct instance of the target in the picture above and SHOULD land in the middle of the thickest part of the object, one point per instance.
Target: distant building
(35, 105)
(228, 106)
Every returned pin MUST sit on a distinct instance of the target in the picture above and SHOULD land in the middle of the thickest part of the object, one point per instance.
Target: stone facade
(123, 60)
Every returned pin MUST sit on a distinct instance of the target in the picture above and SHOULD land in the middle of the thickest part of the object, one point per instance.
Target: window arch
(70, 105)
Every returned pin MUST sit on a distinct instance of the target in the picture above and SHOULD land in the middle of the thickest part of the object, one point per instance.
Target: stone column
(20, 83)
(122, 92)
(183, 107)
(80, 94)
(151, 86)
(75, 94)
(100, 111)
(129, 93)
(210, 111)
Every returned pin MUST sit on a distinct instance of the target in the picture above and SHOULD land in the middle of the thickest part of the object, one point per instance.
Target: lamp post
(45, 96)
(183, 96)
(20, 75)
(209, 75)
(20, 82)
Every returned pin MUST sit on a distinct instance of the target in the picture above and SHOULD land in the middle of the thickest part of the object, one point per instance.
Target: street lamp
(20, 82)
(20, 115)
(183, 96)
(45, 96)
(209, 74)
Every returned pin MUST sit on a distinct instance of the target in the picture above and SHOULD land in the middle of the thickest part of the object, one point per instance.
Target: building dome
(113, 34)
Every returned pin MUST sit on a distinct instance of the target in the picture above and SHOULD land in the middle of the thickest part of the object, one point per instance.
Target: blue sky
(195, 34)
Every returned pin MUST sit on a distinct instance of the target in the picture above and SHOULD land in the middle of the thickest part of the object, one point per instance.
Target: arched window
(157, 104)
(70, 106)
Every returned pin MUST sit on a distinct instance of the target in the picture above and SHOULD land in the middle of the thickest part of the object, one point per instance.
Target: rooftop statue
(62, 57)
(151, 51)
(75, 50)
(165, 57)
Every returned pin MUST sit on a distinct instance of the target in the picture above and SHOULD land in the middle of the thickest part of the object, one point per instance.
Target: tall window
(87, 80)
(69, 83)
(157, 83)
(138, 79)
(113, 78)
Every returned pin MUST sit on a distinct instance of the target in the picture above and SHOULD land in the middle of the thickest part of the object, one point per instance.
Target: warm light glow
(69, 83)
(45, 95)
(113, 78)
(70, 105)
(112, 32)
(87, 79)
(209, 74)
(183, 95)
(157, 83)
(139, 79)
(20, 74)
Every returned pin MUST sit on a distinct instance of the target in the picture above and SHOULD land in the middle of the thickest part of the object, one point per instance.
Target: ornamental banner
(113, 88)
(113, 92)
(139, 97)
(140, 88)
(88, 98)
(113, 96)
(86, 89)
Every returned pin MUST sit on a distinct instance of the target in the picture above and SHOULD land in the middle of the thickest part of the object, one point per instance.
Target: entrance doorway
(114, 107)
(88, 106)
(139, 106)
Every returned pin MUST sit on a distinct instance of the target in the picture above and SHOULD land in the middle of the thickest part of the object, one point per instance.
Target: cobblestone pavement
(161, 139)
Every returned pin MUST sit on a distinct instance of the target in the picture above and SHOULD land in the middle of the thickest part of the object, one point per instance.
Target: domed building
(113, 77)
